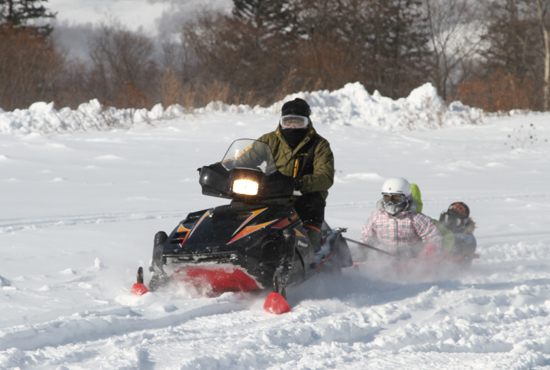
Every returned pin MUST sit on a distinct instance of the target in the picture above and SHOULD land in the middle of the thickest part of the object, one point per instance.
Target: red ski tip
(276, 304)
(139, 289)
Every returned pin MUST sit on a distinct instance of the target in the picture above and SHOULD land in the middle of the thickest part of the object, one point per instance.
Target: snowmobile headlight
(245, 187)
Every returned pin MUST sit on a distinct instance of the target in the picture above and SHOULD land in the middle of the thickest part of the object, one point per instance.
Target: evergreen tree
(16, 13)
(396, 47)
(267, 49)
(276, 16)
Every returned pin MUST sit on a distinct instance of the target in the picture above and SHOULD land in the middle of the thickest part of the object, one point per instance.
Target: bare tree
(516, 48)
(455, 39)
(543, 10)
(30, 68)
(124, 69)
(224, 51)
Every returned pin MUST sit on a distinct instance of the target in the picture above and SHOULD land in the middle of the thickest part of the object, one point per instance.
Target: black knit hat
(297, 107)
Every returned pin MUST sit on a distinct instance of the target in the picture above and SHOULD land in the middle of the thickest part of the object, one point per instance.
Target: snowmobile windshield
(249, 154)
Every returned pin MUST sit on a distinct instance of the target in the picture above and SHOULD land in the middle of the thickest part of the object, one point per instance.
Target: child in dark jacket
(457, 219)
(455, 225)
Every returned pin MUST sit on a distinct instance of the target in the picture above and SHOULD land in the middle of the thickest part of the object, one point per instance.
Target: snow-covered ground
(81, 204)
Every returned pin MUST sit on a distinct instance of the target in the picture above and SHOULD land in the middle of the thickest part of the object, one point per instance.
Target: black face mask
(294, 136)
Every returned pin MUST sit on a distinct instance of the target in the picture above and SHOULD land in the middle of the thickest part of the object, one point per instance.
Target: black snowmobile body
(256, 241)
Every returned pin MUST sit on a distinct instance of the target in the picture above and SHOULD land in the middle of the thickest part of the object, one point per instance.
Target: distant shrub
(524, 138)
(501, 92)
(30, 68)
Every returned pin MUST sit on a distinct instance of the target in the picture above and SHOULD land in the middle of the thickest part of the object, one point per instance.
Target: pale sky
(76, 20)
(146, 15)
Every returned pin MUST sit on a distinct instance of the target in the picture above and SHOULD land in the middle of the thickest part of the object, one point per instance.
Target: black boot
(314, 236)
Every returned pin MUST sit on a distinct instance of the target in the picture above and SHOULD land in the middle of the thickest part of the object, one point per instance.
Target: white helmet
(397, 185)
(396, 195)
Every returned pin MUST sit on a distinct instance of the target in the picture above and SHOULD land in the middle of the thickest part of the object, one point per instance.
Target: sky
(77, 20)
(82, 201)
(144, 15)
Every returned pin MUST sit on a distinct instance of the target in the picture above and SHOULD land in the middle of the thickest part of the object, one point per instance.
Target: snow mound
(351, 105)
(92, 116)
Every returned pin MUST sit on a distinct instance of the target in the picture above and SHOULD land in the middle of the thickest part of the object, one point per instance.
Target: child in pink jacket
(397, 228)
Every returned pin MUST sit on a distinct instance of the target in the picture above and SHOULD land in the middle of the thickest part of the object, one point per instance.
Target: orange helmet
(456, 217)
(459, 209)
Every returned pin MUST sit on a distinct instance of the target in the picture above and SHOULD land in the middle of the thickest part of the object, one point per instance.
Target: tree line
(492, 54)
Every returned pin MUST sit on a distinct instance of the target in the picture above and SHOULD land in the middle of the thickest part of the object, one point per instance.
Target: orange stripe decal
(299, 233)
(182, 229)
(207, 213)
(249, 230)
(252, 215)
(313, 227)
(279, 225)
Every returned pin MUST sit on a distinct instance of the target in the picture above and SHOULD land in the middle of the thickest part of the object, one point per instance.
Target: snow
(83, 196)
(351, 105)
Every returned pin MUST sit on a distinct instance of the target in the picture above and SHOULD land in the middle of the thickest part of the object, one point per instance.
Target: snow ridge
(351, 105)
(92, 326)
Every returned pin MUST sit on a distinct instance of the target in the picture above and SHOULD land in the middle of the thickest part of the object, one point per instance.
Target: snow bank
(351, 105)
(44, 118)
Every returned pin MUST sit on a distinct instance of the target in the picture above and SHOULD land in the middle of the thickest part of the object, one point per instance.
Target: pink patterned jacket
(404, 234)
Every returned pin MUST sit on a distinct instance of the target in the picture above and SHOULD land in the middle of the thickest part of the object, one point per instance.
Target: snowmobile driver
(397, 228)
(300, 152)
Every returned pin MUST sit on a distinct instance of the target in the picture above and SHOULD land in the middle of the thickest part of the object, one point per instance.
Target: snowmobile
(254, 242)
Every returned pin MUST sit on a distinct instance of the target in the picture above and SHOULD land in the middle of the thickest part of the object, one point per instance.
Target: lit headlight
(246, 187)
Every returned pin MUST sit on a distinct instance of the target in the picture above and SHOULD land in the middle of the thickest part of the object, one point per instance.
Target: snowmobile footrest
(139, 289)
(276, 304)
